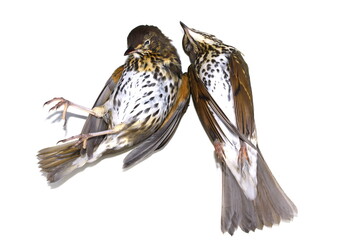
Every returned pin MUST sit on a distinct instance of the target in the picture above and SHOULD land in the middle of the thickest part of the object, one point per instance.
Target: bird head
(146, 39)
(196, 42)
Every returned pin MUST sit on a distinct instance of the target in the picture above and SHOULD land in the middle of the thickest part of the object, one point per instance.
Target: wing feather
(242, 94)
(205, 105)
(94, 124)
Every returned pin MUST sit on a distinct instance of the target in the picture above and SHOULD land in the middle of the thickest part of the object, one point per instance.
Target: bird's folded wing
(206, 106)
(94, 124)
(242, 95)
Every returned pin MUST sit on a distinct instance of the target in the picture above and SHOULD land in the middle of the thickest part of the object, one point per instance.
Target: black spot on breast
(146, 120)
(155, 113)
(156, 105)
(225, 75)
(166, 89)
(148, 93)
(138, 113)
(153, 121)
(147, 110)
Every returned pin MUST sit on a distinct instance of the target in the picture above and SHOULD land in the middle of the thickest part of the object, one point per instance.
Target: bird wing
(95, 124)
(242, 95)
(206, 107)
(162, 135)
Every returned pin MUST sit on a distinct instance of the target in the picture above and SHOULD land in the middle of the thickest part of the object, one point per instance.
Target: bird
(139, 108)
(221, 92)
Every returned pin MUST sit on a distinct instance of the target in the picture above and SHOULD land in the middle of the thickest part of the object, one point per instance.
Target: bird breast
(142, 96)
(214, 72)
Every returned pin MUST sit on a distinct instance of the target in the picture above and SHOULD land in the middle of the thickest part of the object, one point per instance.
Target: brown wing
(201, 98)
(94, 124)
(243, 101)
(205, 106)
(163, 135)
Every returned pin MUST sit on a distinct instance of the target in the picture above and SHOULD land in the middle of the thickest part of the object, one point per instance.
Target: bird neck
(149, 61)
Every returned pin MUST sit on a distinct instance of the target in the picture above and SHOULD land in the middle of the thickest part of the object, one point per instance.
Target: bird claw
(243, 156)
(219, 150)
(61, 102)
(82, 139)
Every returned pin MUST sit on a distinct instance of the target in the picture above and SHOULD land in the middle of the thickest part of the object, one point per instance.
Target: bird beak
(186, 29)
(191, 35)
(129, 51)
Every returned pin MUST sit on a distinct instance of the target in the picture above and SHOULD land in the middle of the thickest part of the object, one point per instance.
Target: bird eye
(147, 42)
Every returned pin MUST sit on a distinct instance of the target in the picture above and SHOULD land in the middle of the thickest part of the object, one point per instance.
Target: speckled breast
(142, 96)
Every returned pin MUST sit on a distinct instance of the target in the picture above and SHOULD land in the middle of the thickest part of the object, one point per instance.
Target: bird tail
(58, 161)
(269, 207)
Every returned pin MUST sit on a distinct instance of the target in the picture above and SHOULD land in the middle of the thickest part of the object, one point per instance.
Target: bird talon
(82, 139)
(219, 150)
(62, 102)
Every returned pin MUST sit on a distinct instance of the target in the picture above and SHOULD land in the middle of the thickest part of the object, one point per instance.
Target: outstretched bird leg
(96, 111)
(82, 138)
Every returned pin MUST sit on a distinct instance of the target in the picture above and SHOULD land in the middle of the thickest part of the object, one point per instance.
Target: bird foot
(81, 139)
(60, 102)
(219, 150)
(243, 156)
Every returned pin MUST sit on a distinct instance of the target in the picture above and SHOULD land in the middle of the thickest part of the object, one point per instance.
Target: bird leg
(96, 111)
(219, 151)
(243, 155)
(82, 138)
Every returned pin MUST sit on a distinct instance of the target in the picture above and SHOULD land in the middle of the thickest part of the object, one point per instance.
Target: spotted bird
(139, 108)
(221, 92)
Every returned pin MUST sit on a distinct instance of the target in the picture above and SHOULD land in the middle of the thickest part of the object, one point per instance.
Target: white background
(304, 65)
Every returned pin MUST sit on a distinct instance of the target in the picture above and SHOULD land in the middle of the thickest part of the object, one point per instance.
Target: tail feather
(57, 161)
(273, 199)
(270, 206)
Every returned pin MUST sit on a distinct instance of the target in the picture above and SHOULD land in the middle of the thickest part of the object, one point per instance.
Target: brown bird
(221, 92)
(140, 107)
